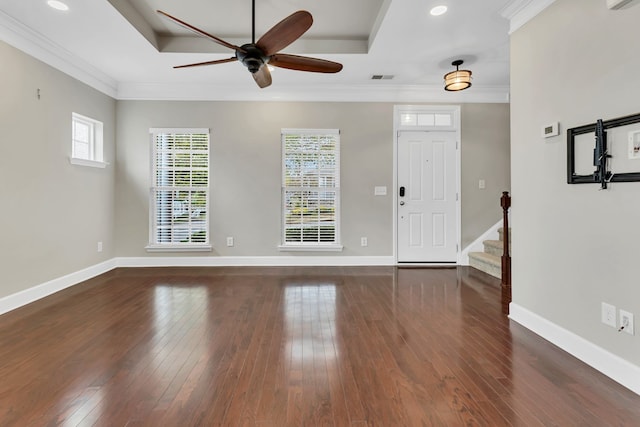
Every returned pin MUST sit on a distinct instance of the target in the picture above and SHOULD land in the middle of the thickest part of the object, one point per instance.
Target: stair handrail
(505, 203)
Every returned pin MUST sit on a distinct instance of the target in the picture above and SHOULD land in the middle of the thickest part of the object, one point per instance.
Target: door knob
(401, 203)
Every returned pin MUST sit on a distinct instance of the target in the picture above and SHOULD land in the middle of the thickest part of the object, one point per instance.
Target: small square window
(86, 141)
(443, 120)
(408, 119)
(425, 119)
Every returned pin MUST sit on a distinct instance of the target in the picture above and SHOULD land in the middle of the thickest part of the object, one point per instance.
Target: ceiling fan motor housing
(256, 55)
(253, 57)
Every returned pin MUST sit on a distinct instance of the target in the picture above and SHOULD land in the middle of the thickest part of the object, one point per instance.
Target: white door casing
(427, 214)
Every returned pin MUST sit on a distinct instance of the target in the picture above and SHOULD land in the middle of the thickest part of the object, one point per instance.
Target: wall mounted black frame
(572, 177)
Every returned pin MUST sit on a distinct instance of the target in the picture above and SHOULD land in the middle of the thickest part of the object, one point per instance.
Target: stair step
(490, 264)
(494, 247)
(482, 277)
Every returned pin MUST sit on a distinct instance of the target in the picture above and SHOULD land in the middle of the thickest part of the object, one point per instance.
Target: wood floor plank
(291, 346)
(249, 384)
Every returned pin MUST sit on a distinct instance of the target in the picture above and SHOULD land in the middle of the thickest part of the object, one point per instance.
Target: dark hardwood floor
(291, 347)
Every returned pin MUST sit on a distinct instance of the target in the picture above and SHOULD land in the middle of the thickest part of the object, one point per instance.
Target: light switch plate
(380, 191)
(608, 314)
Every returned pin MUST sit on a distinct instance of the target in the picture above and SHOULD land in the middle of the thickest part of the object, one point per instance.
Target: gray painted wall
(52, 213)
(485, 155)
(574, 246)
(246, 172)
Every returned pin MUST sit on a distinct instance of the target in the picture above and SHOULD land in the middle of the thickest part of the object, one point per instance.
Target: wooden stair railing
(505, 202)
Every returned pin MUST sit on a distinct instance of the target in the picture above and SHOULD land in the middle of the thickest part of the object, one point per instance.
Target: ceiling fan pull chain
(253, 21)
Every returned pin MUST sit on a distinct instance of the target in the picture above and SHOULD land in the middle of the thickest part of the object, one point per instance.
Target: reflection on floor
(341, 346)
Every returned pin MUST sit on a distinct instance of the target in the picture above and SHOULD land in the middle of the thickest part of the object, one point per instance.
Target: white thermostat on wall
(552, 129)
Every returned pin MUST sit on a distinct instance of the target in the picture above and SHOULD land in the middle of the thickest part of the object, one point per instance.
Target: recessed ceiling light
(438, 10)
(58, 5)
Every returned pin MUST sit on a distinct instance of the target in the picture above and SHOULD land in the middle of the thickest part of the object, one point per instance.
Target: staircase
(490, 261)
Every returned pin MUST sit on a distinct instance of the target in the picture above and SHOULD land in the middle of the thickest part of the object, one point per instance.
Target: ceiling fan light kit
(256, 55)
(458, 79)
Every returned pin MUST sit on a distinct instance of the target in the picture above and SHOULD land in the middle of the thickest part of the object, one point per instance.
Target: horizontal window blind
(180, 191)
(310, 186)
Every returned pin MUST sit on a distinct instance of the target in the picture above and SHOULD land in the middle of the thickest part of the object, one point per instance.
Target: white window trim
(96, 144)
(176, 247)
(89, 163)
(306, 246)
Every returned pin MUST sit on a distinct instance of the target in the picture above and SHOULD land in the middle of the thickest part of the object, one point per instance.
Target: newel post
(505, 202)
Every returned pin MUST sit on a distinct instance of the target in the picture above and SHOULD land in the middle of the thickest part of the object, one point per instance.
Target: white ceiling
(125, 49)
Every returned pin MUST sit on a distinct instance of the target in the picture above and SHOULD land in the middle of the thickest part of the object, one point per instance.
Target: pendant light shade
(458, 79)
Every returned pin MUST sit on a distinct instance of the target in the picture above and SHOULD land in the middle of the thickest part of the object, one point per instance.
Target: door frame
(398, 127)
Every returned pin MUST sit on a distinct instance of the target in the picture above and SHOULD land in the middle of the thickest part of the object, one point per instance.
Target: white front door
(427, 214)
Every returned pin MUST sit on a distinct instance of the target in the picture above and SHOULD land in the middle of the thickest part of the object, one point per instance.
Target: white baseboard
(19, 299)
(293, 261)
(609, 364)
(477, 246)
(616, 368)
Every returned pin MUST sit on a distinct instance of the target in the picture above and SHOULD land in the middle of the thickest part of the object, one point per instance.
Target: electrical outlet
(482, 184)
(99, 246)
(609, 314)
(626, 322)
(229, 241)
(363, 241)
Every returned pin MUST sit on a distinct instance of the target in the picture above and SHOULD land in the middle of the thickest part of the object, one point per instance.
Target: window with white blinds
(311, 188)
(180, 189)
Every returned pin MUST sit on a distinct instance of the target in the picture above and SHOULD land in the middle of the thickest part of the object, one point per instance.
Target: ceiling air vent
(619, 4)
(382, 77)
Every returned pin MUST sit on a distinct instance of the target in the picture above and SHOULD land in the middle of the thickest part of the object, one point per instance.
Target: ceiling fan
(256, 55)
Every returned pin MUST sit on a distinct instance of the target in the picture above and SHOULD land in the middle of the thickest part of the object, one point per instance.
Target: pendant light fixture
(458, 79)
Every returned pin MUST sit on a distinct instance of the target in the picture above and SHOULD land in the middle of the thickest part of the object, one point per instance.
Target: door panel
(427, 215)
(439, 233)
(415, 230)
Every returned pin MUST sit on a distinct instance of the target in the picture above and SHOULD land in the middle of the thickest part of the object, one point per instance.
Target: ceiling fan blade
(201, 32)
(304, 63)
(285, 32)
(218, 61)
(262, 77)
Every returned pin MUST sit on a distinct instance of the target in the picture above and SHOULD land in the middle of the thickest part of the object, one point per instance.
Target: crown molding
(519, 12)
(331, 93)
(38, 46)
